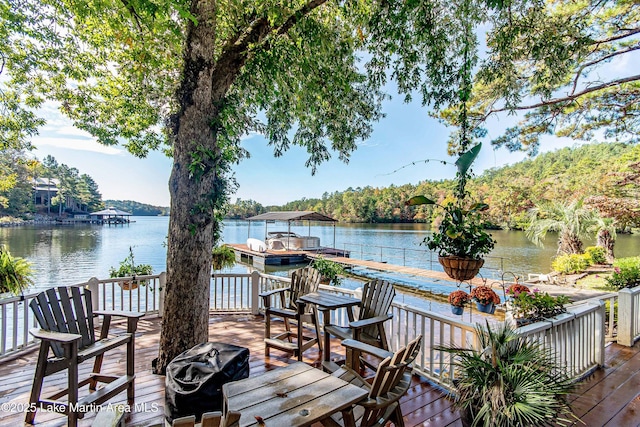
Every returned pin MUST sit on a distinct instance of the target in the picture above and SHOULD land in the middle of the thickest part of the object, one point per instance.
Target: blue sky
(405, 135)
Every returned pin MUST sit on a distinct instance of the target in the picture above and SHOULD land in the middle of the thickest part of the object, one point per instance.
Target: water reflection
(67, 254)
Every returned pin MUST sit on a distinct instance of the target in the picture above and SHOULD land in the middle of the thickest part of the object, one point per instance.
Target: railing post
(94, 287)
(163, 290)
(625, 317)
(255, 290)
(600, 332)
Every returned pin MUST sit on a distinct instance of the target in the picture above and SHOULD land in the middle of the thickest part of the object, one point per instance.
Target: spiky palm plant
(511, 381)
(572, 221)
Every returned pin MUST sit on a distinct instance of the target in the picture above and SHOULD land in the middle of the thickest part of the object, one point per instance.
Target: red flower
(516, 288)
(458, 298)
(484, 295)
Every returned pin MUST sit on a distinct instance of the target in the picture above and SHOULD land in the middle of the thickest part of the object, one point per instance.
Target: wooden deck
(610, 397)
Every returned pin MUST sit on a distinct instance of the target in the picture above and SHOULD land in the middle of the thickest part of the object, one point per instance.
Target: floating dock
(281, 257)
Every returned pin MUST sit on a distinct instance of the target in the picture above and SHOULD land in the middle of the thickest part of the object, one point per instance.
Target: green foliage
(572, 221)
(626, 273)
(461, 233)
(596, 255)
(128, 268)
(461, 230)
(329, 270)
(589, 170)
(223, 257)
(535, 305)
(558, 79)
(571, 263)
(510, 381)
(136, 208)
(15, 272)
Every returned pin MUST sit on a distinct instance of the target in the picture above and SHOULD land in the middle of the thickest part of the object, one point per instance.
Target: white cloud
(77, 144)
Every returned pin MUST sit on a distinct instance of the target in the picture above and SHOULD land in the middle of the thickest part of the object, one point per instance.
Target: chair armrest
(366, 348)
(359, 324)
(117, 313)
(61, 337)
(273, 291)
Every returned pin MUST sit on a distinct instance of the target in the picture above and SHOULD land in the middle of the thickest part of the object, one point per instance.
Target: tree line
(604, 175)
(20, 174)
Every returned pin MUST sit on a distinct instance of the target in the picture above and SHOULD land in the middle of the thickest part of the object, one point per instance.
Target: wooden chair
(391, 381)
(377, 296)
(303, 281)
(66, 317)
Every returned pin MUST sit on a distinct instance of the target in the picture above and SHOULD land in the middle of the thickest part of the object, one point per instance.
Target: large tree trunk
(198, 182)
(190, 241)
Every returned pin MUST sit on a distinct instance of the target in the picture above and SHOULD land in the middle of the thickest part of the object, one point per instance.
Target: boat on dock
(285, 247)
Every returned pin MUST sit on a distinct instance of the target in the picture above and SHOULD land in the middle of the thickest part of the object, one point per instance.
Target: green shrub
(596, 254)
(223, 257)
(329, 270)
(626, 273)
(571, 263)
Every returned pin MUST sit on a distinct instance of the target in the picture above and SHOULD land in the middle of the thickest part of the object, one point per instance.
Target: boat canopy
(289, 216)
(292, 216)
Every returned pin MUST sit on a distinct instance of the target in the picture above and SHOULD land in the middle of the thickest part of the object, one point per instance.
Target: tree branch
(596, 61)
(571, 97)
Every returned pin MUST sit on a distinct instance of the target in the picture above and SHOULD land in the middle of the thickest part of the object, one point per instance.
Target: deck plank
(609, 397)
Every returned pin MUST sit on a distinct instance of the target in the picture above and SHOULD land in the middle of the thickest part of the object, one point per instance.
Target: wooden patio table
(296, 395)
(327, 302)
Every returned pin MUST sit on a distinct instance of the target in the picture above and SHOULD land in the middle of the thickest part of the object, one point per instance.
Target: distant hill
(605, 175)
(137, 209)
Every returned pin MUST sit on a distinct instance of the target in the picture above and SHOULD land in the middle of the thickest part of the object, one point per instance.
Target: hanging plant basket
(461, 268)
(129, 285)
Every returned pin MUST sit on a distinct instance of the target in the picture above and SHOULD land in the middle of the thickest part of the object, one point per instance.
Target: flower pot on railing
(457, 310)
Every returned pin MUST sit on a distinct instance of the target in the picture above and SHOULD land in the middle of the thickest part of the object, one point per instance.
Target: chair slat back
(67, 310)
(391, 370)
(303, 281)
(377, 296)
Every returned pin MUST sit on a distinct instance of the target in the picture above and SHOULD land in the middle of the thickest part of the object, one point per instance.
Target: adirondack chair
(377, 296)
(303, 281)
(66, 318)
(391, 381)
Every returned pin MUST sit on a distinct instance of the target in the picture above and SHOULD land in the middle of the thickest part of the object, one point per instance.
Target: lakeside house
(45, 189)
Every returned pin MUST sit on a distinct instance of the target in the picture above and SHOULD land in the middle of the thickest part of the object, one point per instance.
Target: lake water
(69, 254)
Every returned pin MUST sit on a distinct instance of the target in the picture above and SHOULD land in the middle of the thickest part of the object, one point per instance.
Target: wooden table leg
(301, 307)
(326, 320)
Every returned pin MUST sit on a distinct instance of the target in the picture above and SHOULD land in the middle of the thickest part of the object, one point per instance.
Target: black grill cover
(194, 378)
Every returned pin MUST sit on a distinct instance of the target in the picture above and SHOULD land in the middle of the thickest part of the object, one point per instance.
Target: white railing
(628, 316)
(16, 318)
(576, 338)
(437, 331)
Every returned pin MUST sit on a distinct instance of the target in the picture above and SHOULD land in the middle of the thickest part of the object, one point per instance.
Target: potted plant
(509, 380)
(515, 289)
(128, 268)
(486, 299)
(461, 238)
(223, 257)
(330, 271)
(458, 299)
(530, 307)
(15, 273)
